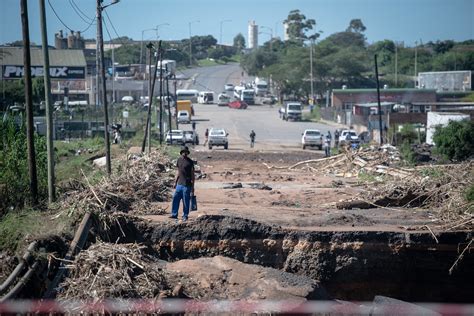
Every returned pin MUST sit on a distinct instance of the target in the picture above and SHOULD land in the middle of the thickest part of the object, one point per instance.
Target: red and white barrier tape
(225, 306)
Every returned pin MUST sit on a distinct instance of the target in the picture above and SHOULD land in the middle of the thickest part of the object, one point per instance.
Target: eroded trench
(354, 265)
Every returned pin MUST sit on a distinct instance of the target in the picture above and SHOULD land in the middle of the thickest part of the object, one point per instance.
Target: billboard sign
(56, 72)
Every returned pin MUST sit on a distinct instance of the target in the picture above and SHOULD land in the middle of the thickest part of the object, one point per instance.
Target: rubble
(135, 187)
(131, 271)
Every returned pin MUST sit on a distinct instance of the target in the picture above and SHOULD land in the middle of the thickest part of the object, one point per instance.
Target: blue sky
(399, 20)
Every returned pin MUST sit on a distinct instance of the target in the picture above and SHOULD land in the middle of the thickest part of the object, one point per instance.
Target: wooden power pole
(100, 41)
(30, 141)
(49, 112)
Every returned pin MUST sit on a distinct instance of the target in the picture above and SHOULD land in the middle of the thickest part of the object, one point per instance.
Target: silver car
(175, 135)
(312, 137)
(218, 137)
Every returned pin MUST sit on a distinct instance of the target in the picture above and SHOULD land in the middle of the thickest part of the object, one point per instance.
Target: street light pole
(220, 37)
(190, 43)
(416, 60)
(141, 43)
(158, 26)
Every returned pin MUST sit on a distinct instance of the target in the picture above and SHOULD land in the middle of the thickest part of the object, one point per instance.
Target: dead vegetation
(113, 271)
(440, 188)
(137, 185)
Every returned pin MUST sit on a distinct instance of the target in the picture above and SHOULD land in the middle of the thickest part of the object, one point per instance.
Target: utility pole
(30, 140)
(160, 56)
(311, 71)
(190, 44)
(150, 98)
(378, 99)
(396, 64)
(148, 122)
(169, 106)
(100, 40)
(49, 112)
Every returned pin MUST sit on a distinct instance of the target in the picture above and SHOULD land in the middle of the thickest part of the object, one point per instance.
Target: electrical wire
(119, 38)
(64, 24)
(79, 12)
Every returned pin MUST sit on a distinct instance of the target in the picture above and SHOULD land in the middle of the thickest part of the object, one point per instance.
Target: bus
(191, 95)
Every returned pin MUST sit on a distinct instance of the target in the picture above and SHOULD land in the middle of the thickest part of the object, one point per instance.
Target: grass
(28, 224)
(312, 116)
(207, 63)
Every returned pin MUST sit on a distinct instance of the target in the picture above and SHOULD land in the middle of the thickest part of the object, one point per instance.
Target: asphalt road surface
(272, 132)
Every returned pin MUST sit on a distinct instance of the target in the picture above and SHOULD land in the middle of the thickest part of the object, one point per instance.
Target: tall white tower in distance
(286, 36)
(253, 35)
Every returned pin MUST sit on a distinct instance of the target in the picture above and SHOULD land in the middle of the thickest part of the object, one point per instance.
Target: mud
(350, 265)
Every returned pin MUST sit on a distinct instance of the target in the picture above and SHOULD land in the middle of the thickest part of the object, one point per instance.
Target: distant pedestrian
(194, 126)
(330, 137)
(327, 147)
(336, 138)
(252, 138)
(183, 185)
(206, 136)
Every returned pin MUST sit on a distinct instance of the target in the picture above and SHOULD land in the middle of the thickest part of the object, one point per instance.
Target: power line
(79, 12)
(64, 24)
(115, 31)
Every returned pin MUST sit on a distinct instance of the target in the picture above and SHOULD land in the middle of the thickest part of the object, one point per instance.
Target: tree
(239, 42)
(298, 25)
(356, 26)
(456, 140)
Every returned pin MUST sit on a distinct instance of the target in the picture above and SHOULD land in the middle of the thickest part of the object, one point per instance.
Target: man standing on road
(206, 136)
(327, 146)
(252, 139)
(184, 184)
(336, 138)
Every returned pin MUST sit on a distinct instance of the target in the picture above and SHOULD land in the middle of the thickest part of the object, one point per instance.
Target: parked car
(223, 99)
(191, 137)
(218, 137)
(312, 137)
(348, 137)
(269, 99)
(237, 104)
(177, 135)
(127, 98)
(229, 87)
(183, 117)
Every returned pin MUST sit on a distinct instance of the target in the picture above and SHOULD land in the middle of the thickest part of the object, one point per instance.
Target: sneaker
(173, 217)
(185, 219)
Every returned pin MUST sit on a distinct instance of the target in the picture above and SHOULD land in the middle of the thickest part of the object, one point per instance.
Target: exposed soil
(236, 183)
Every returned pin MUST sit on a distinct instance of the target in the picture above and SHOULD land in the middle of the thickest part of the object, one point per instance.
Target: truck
(169, 65)
(243, 94)
(260, 86)
(292, 111)
(185, 105)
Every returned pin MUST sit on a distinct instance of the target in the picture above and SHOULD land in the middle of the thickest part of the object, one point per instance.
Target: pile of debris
(136, 186)
(113, 270)
(377, 160)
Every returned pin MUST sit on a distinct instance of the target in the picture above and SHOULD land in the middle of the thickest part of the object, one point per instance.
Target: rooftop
(57, 57)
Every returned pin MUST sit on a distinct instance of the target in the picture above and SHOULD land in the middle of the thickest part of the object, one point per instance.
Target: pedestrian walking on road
(252, 138)
(206, 136)
(183, 185)
(327, 146)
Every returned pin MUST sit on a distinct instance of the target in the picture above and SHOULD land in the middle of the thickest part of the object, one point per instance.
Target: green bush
(14, 175)
(407, 153)
(456, 140)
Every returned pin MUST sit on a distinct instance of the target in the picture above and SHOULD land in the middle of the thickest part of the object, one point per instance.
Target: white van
(191, 95)
(206, 97)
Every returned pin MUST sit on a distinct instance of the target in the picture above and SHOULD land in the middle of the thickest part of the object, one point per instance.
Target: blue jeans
(182, 192)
